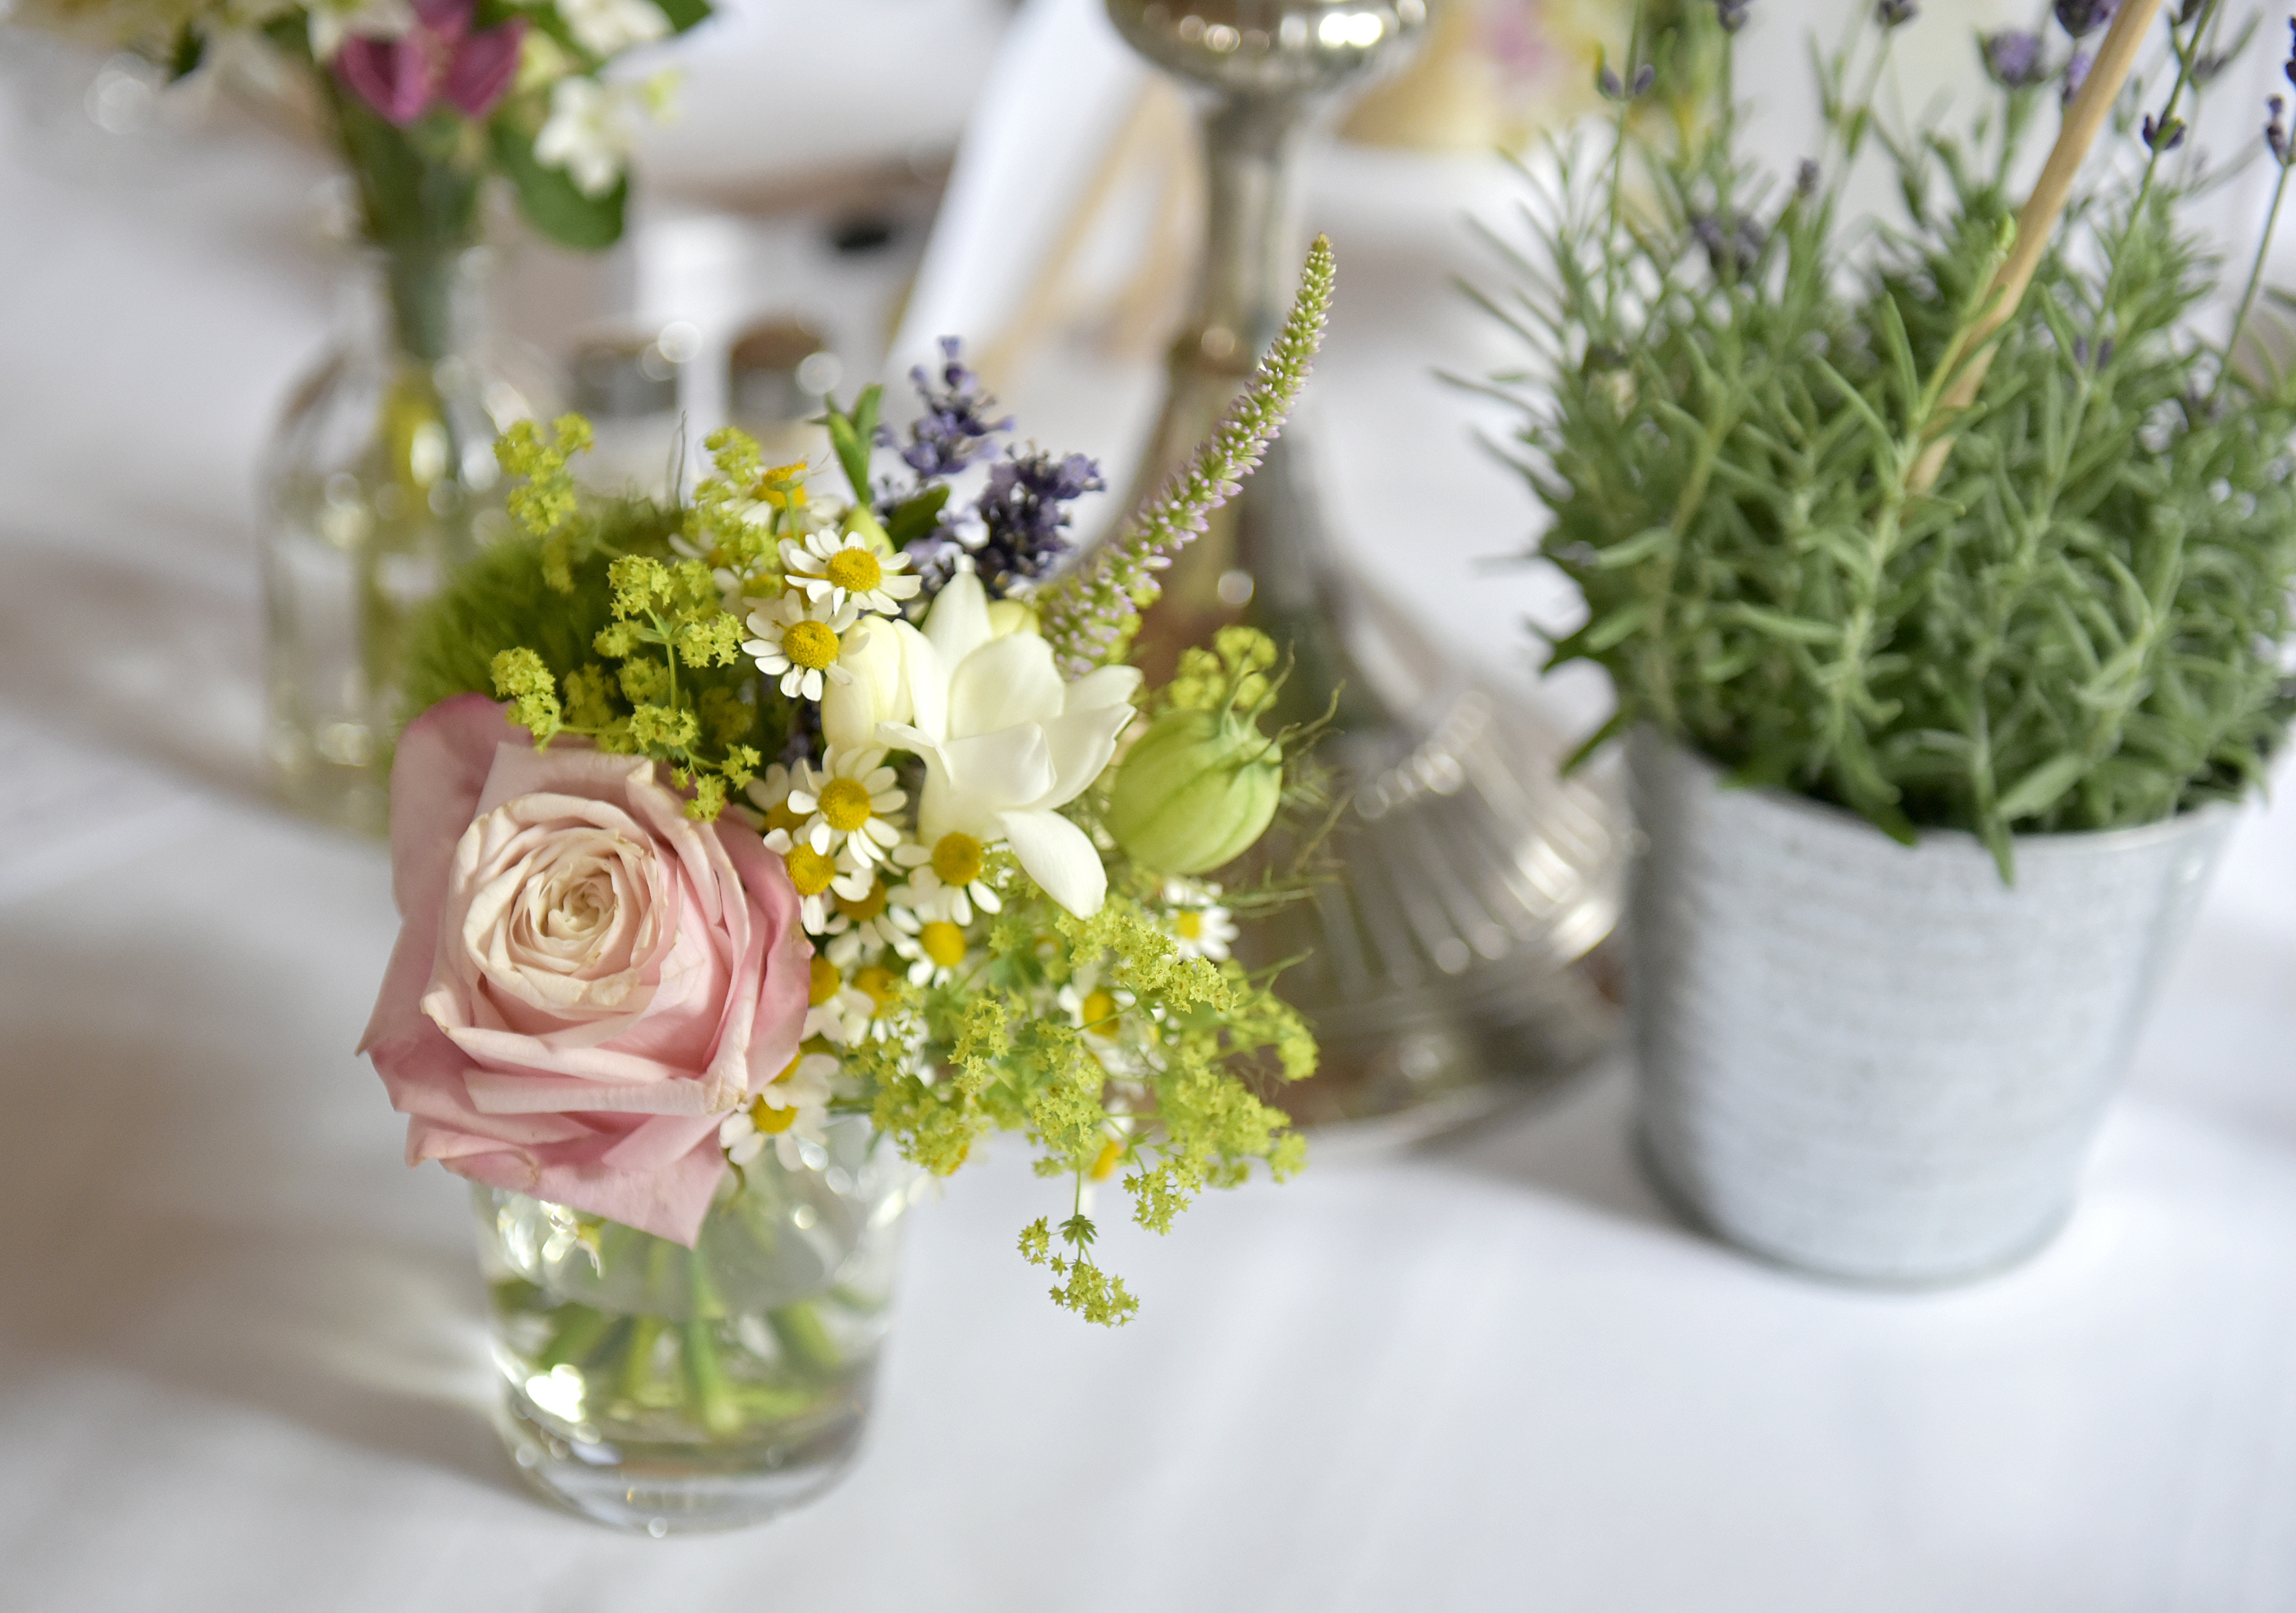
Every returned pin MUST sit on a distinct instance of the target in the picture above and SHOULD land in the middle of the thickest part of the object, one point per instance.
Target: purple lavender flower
(2012, 58)
(1806, 178)
(2276, 132)
(1731, 14)
(1895, 13)
(2082, 18)
(1024, 509)
(954, 429)
(2164, 136)
(2076, 75)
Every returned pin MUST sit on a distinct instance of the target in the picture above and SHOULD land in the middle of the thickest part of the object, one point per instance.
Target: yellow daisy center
(869, 906)
(809, 869)
(957, 859)
(878, 983)
(771, 1120)
(826, 978)
(810, 644)
(845, 803)
(1188, 925)
(781, 815)
(1099, 1007)
(943, 942)
(855, 571)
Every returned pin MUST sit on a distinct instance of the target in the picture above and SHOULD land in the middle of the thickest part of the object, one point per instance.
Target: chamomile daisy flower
(789, 1112)
(769, 792)
(846, 801)
(1196, 922)
(945, 882)
(819, 877)
(1096, 1011)
(867, 1009)
(797, 642)
(937, 953)
(864, 928)
(842, 570)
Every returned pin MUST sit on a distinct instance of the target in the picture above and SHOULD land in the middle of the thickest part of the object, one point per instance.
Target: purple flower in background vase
(2076, 75)
(2079, 18)
(2012, 58)
(438, 59)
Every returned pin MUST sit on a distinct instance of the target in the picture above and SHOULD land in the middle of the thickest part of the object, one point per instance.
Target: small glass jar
(376, 486)
(670, 1390)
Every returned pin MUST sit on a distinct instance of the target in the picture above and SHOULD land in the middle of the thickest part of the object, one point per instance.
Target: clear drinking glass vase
(375, 488)
(673, 1390)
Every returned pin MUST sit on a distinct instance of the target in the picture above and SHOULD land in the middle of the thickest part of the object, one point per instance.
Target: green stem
(804, 1340)
(2255, 280)
(575, 1338)
(709, 1395)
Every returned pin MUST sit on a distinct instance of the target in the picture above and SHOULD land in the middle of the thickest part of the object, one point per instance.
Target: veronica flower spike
(1007, 744)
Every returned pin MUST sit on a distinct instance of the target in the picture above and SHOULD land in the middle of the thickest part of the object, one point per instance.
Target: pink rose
(586, 981)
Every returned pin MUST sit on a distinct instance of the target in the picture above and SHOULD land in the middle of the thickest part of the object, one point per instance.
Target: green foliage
(548, 198)
(2079, 626)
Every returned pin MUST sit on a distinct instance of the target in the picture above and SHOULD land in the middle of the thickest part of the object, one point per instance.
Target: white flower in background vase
(1006, 742)
(591, 129)
(607, 27)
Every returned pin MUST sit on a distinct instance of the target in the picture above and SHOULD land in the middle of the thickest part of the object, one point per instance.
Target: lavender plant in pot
(1942, 566)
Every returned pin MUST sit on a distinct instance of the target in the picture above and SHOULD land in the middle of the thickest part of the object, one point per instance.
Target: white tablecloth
(241, 1346)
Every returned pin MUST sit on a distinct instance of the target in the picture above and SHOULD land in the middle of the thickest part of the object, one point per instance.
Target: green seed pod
(1195, 792)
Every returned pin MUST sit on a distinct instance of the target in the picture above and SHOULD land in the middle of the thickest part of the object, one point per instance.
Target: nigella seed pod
(1197, 790)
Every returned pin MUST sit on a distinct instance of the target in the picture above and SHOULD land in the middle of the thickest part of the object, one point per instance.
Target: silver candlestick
(1453, 949)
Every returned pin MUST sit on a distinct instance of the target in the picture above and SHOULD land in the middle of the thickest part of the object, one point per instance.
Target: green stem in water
(709, 1396)
(576, 1337)
(806, 1343)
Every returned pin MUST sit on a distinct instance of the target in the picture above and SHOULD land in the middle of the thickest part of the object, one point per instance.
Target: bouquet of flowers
(671, 1003)
(426, 99)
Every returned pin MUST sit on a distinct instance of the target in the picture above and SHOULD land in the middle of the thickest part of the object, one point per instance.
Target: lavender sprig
(1091, 616)
(1024, 510)
(954, 429)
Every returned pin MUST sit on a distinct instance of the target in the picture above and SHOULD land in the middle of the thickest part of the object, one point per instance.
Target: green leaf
(1779, 625)
(2040, 790)
(684, 14)
(551, 200)
(852, 436)
(1635, 550)
(184, 55)
(915, 517)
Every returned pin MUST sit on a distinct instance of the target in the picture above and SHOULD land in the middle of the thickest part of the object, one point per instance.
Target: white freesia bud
(876, 651)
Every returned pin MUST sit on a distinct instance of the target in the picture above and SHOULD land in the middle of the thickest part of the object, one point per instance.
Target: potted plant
(1942, 568)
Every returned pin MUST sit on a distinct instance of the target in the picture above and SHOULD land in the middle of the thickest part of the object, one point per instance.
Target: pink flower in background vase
(586, 982)
(438, 59)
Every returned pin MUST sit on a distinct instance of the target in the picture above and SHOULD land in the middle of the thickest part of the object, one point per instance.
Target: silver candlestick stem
(1453, 948)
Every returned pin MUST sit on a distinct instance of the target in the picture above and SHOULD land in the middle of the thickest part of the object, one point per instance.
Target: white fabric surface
(241, 1346)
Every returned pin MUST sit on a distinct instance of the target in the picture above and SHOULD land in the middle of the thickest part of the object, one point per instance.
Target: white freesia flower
(1006, 742)
(874, 656)
(606, 27)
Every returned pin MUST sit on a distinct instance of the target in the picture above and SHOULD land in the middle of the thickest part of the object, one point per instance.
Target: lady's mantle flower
(827, 567)
(791, 1110)
(1199, 926)
(1006, 742)
(437, 60)
(800, 644)
(606, 27)
(846, 803)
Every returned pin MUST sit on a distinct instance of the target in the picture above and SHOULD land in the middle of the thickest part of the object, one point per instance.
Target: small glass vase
(374, 488)
(671, 1390)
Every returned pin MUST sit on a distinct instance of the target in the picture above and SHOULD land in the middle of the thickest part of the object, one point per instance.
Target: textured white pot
(1877, 1062)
